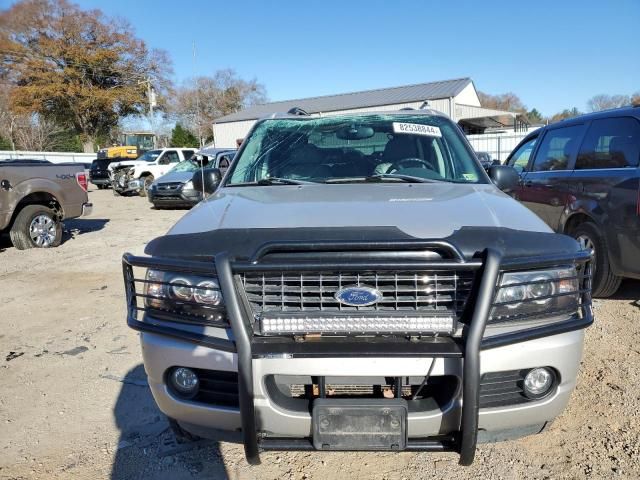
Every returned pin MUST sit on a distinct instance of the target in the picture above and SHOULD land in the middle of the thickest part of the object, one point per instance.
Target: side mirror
(504, 177)
(163, 161)
(209, 178)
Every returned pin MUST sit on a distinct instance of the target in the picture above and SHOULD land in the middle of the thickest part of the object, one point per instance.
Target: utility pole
(151, 97)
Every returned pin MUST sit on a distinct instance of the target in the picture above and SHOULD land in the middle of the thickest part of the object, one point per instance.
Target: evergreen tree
(181, 137)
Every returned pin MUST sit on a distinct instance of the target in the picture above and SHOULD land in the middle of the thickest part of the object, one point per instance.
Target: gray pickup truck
(359, 282)
(36, 196)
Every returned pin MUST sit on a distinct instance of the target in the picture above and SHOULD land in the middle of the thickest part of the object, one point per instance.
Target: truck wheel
(604, 282)
(36, 226)
(146, 183)
(182, 436)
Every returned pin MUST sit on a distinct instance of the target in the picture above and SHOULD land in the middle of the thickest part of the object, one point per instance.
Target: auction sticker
(416, 129)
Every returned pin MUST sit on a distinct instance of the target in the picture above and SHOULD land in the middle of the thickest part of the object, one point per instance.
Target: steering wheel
(410, 162)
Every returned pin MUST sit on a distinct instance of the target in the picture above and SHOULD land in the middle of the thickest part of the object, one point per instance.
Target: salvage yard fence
(53, 157)
(498, 145)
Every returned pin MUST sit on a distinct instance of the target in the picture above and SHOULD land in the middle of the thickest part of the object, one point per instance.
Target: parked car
(175, 188)
(581, 177)
(485, 160)
(35, 196)
(310, 303)
(99, 172)
(136, 176)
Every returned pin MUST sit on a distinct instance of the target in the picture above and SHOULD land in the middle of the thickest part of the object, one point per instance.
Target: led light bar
(342, 324)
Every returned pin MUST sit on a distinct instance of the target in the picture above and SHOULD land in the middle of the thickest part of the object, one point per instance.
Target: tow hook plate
(360, 424)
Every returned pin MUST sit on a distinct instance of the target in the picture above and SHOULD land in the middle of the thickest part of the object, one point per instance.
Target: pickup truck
(359, 282)
(136, 176)
(35, 197)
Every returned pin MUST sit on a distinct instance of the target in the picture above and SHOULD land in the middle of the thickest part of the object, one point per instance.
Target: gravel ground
(74, 401)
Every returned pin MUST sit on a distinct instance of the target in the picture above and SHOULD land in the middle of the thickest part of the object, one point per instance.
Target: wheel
(182, 436)
(604, 282)
(36, 226)
(101, 187)
(148, 180)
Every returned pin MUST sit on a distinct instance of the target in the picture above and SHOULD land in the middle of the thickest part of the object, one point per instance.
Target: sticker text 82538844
(416, 129)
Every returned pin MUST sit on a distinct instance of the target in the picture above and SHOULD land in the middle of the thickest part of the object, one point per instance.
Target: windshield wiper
(381, 177)
(273, 181)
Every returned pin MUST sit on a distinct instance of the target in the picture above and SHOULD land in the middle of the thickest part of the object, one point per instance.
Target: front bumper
(262, 423)
(174, 197)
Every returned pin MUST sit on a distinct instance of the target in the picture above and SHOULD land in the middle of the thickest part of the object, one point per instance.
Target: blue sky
(553, 54)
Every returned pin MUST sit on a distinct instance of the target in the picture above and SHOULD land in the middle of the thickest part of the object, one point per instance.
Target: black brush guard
(488, 264)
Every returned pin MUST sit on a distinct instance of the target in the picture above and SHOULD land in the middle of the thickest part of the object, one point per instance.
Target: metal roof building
(457, 98)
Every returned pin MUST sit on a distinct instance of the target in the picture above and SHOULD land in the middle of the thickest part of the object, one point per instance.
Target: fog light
(184, 381)
(538, 382)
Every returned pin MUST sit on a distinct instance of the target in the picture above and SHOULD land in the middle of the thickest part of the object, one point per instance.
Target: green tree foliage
(5, 144)
(534, 116)
(76, 67)
(181, 137)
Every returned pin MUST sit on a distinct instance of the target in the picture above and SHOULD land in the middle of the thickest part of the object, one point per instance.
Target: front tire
(36, 226)
(604, 282)
(147, 181)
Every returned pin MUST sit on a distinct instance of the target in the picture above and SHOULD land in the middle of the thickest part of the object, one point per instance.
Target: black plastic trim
(538, 332)
(444, 347)
(197, 338)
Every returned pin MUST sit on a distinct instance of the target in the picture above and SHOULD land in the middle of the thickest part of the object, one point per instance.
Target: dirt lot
(74, 401)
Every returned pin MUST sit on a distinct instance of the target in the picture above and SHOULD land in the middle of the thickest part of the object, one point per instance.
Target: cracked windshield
(348, 149)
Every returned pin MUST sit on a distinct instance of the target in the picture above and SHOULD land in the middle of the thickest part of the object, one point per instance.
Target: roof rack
(297, 111)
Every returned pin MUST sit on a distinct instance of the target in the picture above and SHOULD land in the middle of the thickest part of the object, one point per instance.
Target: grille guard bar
(491, 264)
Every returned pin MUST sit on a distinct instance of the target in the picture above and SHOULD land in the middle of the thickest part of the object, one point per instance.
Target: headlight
(185, 297)
(535, 294)
(188, 185)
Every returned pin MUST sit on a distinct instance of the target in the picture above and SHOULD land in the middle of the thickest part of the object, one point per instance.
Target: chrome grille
(427, 291)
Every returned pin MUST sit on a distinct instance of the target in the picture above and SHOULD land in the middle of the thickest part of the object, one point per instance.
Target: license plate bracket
(360, 424)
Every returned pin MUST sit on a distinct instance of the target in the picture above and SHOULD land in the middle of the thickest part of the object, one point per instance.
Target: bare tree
(504, 101)
(635, 98)
(203, 99)
(36, 133)
(8, 118)
(605, 102)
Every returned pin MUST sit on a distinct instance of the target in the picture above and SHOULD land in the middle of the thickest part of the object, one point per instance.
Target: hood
(430, 210)
(127, 163)
(172, 177)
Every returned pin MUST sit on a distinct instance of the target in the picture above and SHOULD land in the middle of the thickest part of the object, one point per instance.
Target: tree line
(71, 79)
(511, 102)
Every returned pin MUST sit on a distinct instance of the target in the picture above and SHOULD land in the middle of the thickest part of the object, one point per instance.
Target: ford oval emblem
(358, 296)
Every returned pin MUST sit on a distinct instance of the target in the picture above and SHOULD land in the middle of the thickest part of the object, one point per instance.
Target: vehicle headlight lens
(536, 293)
(208, 292)
(181, 289)
(185, 297)
(188, 185)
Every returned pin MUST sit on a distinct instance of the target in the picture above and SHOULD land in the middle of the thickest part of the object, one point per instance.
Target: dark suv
(99, 174)
(581, 177)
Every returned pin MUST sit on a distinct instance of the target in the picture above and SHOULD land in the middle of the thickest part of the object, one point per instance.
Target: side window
(187, 154)
(520, 158)
(557, 148)
(610, 143)
(171, 156)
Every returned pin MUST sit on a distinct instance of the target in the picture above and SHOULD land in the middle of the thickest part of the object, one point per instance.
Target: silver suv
(359, 282)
